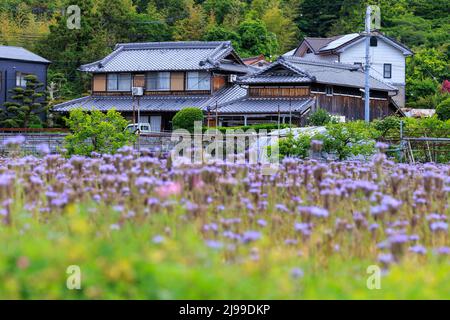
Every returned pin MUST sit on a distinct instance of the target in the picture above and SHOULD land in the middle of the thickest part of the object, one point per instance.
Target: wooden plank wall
(279, 92)
(353, 107)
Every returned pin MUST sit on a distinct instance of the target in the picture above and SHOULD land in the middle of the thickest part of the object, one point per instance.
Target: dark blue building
(15, 64)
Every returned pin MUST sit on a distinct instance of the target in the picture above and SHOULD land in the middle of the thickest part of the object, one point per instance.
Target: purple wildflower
(16, 140)
(443, 251)
(214, 244)
(297, 273)
(439, 226)
(158, 239)
(419, 249)
(386, 258)
(262, 222)
(250, 236)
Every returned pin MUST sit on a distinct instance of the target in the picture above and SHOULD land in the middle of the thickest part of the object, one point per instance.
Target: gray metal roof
(167, 56)
(163, 103)
(251, 105)
(314, 71)
(19, 53)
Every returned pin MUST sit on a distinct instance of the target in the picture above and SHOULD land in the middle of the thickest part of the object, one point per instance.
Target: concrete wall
(55, 142)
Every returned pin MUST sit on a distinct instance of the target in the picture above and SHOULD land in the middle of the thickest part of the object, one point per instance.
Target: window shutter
(99, 83)
(177, 81)
(139, 80)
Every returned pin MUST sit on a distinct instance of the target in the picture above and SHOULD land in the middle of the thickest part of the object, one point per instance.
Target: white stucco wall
(383, 53)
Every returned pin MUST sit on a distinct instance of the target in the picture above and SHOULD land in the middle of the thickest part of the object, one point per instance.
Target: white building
(387, 56)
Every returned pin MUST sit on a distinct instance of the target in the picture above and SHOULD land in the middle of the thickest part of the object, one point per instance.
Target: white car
(139, 128)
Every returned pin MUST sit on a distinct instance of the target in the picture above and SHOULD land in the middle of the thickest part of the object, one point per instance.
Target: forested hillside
(269, 27)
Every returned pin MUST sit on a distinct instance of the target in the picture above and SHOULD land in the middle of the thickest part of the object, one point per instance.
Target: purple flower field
(127, 219)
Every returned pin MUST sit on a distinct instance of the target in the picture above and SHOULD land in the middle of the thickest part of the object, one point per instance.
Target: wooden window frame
(329, 91)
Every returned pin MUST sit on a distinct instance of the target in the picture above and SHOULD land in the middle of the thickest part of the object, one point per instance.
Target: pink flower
(168, 189)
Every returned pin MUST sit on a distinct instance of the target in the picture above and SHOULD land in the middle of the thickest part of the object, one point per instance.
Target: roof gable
(390, 41)
(336, 44)
(315, 44)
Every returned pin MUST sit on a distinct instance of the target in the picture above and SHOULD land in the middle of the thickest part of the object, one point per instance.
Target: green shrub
(387, 125)
(320, 118)
(343, 139)
(428, 102)
(418, 90)
(295, 147)
(185, 119)
(443, 110)
(96, 132)
(430, 127)
(351, 138)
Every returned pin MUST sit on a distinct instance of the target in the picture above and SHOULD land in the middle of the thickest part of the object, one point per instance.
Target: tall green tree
(255, 39)
(282, 26)
(317, 16)
(221, 8)
(218, 33)
(193, 27)
(69, 48)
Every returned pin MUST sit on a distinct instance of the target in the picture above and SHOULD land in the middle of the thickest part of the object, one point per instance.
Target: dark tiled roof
(252, 105)
(125, 103)
(19, 53)
(163, 103)
(166, 56)
(338, 74)
(314, 71)
(226, 95)
(274, 78)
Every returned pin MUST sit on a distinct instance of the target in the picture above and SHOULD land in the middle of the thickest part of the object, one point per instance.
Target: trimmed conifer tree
(25, 106)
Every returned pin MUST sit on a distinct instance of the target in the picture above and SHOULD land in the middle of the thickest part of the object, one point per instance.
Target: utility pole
(290, 114)
(367, 66)
(139, 124)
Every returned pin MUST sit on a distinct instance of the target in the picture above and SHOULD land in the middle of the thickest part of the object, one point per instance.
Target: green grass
(125, 263)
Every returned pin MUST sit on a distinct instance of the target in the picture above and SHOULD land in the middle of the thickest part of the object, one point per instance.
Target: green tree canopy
(96, 131)
(255, 39)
